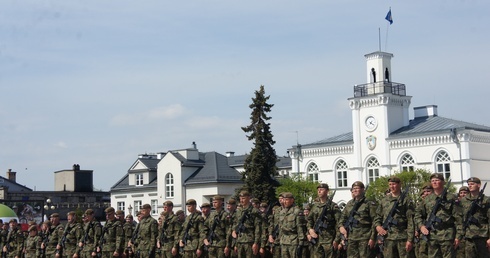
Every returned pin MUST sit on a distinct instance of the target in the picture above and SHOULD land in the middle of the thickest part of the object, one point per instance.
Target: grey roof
(419, 125)
(14, 186)
(239, 161)
(215, 169)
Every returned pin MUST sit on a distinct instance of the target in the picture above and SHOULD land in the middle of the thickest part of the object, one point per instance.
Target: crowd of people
(439, 225)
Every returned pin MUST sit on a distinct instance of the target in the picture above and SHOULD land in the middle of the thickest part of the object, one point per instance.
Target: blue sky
(96, 83)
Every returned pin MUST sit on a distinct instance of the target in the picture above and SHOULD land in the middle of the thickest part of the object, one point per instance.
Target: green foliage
(302, 189)
(260, 165)
(415, 179)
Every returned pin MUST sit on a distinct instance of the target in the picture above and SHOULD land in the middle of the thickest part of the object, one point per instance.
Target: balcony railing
(378, 88)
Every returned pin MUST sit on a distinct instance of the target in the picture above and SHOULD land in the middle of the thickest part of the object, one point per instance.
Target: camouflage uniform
(54, 238)
(145, 242)
(292, 228)
(92, 230)
(74, 234)
(251, 233)
(128, 229)
(170, 228)
(32, 245)
(403, 231)
(221, 223)
(194, 224)
(231, 242)
(328, 235)
(112, 238)
(441, 239)
(15, 242)
(274, 232)
(477, 234)
(364, 231)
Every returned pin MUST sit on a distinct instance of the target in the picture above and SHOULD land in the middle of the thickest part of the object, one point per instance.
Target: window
(139, 179)
(341, 169)
(154, 207)
(407, 163)
(169, 185)
(313, 172)
(443, 164)
(121, 206)
(373, 169)
(137, 206)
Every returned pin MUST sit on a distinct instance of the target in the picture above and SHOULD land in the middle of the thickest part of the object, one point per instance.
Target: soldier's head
(145, 210)
(281, 199)
(129, 218)
(288, 199)
(55, 219)
(180, 215)
(218, 202)
(357, 189)
(437, 181)
(110, 213)
(474, 184)
(322, 190)
(306, 209)
(463, 191)
(168, 206)
(120, 215)
(46, 225)
(191, 205)
(394, 184)
(244, 198)
(71, 217)
(206, 209)
(89, 214)
(13, 224)
(231, 205)
(33, 230)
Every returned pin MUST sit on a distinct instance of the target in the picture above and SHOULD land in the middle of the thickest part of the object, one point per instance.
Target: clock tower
(379, 107)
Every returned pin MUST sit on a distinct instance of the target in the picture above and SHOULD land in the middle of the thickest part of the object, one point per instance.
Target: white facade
(384, 140)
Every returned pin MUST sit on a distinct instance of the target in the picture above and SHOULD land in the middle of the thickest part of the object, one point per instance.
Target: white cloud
(157, 114)
(61, 144)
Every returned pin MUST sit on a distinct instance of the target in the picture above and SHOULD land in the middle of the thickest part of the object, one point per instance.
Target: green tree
(260, 165)
(303, 190)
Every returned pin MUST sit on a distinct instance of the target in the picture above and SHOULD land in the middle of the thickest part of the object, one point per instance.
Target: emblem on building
(371, 142)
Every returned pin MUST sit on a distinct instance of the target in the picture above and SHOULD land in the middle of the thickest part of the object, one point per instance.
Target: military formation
(438, 225)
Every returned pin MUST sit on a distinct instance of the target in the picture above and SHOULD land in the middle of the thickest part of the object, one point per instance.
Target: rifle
(45, 242)
(390, 219)
(351, 221)
(211, 235)
(319, 223)
(85, 237)
(133, 240)
(63, 239)
(7, 246)
(433, 219)
(240, 228)
(475, 204)
(186, 233)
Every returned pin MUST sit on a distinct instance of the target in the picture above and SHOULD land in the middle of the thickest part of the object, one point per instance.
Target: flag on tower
(389, 17)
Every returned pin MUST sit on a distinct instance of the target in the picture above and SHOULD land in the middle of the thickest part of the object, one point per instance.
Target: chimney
(425, 111)
(230, 154)
(11, 175)
(194, 145)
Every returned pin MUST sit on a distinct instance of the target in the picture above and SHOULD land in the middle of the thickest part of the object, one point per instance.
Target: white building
(384, 140)
(176, 175)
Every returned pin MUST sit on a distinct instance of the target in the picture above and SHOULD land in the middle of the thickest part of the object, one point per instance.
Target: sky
(96, 83)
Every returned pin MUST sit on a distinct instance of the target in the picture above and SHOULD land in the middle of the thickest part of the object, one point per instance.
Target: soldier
(476, 232)
(399, 237)
(92, 233)
(32, 245)
(72, 234)
(192, 234)
(463, 191)
(361, 236)
(326, 240)
(56, 233)
(205, 212)
(128, 228)
(112, 239)
(292, 227)
(146, 234)
(168, 234)
(422, 247)
(4, 231)
(15, 241)
(274, 237)
(216, 230)
(443, 239)
(246, 230)
(44, 234)
(266, 215)
(231, 208)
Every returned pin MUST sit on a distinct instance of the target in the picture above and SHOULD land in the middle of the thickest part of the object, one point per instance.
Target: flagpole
(379, 38)
(386, 40)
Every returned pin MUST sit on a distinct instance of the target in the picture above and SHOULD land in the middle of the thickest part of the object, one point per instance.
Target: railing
(378, 88)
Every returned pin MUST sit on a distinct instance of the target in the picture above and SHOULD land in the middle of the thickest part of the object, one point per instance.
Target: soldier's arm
(410, 222)
(301, 226)
(257, 227)
(420, 214)
(119, 237)
(372, 213)
(457, 213)
(379, 217)
(336, 214)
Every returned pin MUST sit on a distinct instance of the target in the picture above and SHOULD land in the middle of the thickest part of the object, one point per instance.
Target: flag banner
(389, 17)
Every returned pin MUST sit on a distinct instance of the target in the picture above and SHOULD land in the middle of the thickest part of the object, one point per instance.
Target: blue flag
(388, 17)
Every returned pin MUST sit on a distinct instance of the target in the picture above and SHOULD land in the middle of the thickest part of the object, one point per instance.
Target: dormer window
(139, 179)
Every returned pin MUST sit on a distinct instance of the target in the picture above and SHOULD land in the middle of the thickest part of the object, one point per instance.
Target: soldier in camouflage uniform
(248, 223)
(443, 239)
(32, 244)
(112, 239)
(217, 227)
(146, 239)
(72, 235)
(422, 247)
(273, 229)
(292, 227)
(92, 233)
(192, 233)
(128, 228)
(14, 245)
(328, 240)
(168, 234)
(267, 218)
(477, 234)
(398, 241)
(205, 212)
(231, 208)
(463, 191)
(44, 234)
(56, 233)
(362, 238)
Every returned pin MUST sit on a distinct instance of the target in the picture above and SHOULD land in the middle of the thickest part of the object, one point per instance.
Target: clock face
(371, 123)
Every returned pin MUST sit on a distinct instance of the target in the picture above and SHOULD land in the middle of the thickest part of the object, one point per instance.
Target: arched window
(313, 172)
(443, 164)
(341, 169)
(169, 185)
(407, 163)
(372, 169)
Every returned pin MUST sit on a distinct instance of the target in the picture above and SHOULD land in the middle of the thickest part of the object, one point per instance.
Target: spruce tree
(260, 165)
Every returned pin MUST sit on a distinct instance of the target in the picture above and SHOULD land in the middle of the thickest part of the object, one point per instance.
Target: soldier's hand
(343, 231)
(408, 246)
(233, 234)
(456, 243)
(381, 230)
(206, 242)
(255, 249)
(335, 245)
(271, 239)
(371, 243)
(115, 254)
(198, 252)
(227, 251)
(312, 233)
(181, 244)
(158, 244)
(424, 230)
(174, 251)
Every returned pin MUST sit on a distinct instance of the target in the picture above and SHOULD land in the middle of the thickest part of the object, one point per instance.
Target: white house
(384, 140)
(176, 175)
